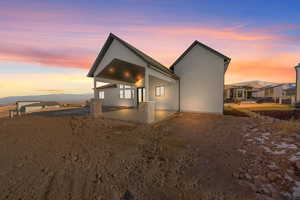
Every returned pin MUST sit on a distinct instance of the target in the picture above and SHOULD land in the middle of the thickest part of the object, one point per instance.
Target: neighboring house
(253, 90)
(195, 82)
(244, 91)
(32, 106)
(233, 92)
(284, 90)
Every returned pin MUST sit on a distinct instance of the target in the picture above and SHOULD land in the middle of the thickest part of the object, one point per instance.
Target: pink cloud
(44, 57)
(41, 38)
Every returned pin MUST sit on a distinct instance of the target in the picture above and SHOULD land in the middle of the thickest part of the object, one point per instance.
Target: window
(126, 92)
(101, 94)
(160, 91)
(240, 93)
(121, 94)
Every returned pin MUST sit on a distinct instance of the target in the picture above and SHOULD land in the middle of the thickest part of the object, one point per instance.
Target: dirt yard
(4, 110)
(188, 156)
(281, 114)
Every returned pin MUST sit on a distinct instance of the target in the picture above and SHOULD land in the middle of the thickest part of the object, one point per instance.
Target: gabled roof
(139, 53)
(226, 59)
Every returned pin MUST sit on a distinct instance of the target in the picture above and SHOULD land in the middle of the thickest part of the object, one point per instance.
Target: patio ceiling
(120, 70)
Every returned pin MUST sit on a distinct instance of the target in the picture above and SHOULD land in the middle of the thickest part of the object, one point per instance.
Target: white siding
(170, 99)
(298, 84)
(112, 98)
(201, 81)
(29, 109)
(118, 50)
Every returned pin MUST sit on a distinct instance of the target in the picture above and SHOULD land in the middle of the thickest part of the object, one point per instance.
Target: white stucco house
(193, 83)
(297, 68)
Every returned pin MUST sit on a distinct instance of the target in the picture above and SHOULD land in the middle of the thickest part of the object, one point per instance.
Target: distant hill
(61, 98)
(256, 84)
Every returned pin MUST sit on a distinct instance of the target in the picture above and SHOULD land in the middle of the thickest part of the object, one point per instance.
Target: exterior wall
(29, 109)
(170, 101)
(278, 92)
(112, 98)
(160, 75)
(118, 50)
(201, 81)
(260, 93)
(297, 84)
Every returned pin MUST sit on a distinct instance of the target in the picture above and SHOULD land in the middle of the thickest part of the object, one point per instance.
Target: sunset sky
(48, 46)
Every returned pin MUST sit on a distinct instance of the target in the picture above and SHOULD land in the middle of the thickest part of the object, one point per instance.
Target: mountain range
(256, 82)
(61, 98)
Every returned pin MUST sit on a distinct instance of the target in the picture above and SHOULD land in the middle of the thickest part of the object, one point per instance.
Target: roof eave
(101, 54)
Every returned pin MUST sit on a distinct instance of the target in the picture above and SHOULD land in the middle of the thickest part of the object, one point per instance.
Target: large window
(159, 91)
(101, 94)
(126, 91)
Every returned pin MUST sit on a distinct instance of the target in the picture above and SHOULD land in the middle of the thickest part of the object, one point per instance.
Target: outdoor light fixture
(139, 83)
(127, 74)
(112, 70)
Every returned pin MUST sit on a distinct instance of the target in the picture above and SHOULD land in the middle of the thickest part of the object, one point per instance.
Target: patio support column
(146, 84)
(96, 92)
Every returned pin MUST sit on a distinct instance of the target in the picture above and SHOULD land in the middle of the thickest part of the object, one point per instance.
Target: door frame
(142, 89)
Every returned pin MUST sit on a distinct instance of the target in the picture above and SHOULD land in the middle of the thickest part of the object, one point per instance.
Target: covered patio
(143, 104)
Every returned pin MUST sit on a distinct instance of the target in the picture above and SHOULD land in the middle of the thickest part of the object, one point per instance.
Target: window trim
(161, 89)
(125, 88)
(101, 96)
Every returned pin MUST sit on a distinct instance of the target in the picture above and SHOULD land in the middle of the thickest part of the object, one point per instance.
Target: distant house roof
(107, 86)
(226, 59)
(45, 103)
(288, 85)
(139, 53)
(238, 87)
